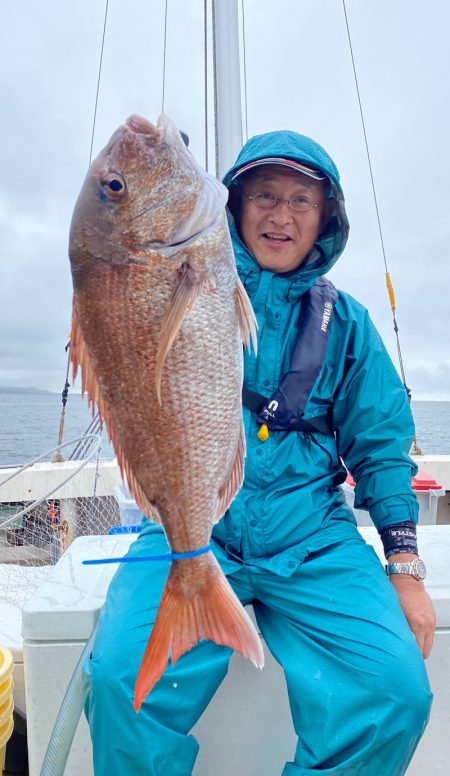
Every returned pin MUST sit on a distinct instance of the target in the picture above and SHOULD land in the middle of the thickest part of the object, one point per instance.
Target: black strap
(255, 402)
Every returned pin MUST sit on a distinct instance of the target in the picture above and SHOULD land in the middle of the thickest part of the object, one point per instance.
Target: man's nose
(282, 212)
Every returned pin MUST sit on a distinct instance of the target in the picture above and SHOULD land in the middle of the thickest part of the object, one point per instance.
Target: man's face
(281, 238)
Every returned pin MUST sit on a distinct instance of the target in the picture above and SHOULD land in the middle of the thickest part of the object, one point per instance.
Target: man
(321, 388)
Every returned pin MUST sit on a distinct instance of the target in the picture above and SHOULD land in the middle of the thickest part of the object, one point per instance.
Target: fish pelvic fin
(214, 613)
(89, 384)
(230, 488)
(192, 283)
(246, 317)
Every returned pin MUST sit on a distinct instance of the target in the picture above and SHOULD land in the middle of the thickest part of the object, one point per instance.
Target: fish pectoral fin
(214, 613)
(246, 317)
(192, 283)
(230, 488)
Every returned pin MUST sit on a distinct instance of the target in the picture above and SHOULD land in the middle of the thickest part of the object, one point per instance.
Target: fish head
(143, 194)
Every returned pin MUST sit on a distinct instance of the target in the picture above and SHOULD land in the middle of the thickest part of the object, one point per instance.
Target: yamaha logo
(326, 318)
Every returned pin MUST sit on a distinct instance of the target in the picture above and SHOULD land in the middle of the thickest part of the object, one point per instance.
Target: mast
(227, 83)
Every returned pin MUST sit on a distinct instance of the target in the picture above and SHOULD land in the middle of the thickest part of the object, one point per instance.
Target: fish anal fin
(246, 317)
(230, 488)
(149, 509)
(214, 613)
(192, 283)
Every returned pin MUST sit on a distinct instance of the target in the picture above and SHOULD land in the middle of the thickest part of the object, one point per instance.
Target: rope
(59, 457)
(415, 449)
(164, 60)
(244, 61)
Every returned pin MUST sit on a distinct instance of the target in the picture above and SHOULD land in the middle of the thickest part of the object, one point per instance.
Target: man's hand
(416, 604)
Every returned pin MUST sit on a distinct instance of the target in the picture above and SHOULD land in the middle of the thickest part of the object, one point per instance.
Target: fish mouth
(173, 247)
(189, 239)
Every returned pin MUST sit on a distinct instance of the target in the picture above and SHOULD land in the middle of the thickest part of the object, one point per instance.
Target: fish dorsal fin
(192, 283)
(230, 488)
(89, 384)
(246, 317)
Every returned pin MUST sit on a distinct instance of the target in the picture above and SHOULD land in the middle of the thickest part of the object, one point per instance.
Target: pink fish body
(159, 317)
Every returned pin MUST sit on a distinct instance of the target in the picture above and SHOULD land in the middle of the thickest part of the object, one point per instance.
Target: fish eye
(114, 185)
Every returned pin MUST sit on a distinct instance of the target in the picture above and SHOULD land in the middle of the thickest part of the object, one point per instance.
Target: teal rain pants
(357, 685)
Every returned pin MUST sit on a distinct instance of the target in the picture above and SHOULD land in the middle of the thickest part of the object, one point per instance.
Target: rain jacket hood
(290, 503)
(291, 145)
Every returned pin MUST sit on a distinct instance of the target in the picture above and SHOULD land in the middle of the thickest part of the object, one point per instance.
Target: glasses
(268, 201)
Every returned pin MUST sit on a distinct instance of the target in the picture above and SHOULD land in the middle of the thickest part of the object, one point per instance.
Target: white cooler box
(427, 492)
(130, 514)
(247, 729)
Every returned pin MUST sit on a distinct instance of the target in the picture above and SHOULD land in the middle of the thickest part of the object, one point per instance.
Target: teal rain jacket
(291, 502)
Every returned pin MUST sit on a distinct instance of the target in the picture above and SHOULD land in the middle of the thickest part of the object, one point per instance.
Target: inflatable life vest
(284, 409)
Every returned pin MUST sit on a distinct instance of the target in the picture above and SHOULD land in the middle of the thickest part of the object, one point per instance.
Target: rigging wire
(214, 33)
(244, 62)
(98, 81)
(58, 456)
(415, 449)
(205, 59)
(164, 59)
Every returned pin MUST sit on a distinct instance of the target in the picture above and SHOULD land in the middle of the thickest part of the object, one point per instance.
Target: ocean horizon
(29, 425)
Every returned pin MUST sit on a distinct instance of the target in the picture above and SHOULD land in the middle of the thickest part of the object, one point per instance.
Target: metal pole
(227, 83)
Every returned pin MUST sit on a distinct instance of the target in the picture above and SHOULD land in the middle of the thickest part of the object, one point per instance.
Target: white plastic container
(130, 514)
(425, 487)
(250, 708)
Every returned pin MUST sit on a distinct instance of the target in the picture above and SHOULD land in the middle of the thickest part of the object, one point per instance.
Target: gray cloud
(299, 76)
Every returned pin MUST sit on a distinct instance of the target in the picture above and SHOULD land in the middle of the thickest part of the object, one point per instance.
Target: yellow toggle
(263, 433)
(390, 289)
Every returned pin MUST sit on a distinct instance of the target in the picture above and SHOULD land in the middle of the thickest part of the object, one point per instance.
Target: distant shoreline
(15, 390)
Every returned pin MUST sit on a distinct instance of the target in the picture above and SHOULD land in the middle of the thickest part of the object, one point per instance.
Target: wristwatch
(416, 568)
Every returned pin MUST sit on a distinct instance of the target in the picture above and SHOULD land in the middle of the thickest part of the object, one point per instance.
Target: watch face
(421, 570)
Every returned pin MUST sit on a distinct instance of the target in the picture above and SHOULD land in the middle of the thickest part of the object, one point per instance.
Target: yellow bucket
(6, 701)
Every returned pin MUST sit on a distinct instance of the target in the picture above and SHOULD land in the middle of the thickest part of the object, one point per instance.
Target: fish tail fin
(214, 612)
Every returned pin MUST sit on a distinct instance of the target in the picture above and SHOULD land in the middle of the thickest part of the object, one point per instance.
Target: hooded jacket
(291, 502)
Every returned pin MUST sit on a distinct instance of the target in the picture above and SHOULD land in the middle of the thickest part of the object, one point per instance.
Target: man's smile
(276, 237)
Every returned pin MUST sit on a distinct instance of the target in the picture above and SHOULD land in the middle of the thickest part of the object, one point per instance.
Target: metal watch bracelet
(415, 568)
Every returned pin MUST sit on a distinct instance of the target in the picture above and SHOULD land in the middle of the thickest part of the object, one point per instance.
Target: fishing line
(205, 55)
(244, 62)
(216, 137)
(98, 81)
(164, 60)
(415, 449)
(58, 457)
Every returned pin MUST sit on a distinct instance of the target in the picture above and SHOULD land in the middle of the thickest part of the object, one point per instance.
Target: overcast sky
(299, 76)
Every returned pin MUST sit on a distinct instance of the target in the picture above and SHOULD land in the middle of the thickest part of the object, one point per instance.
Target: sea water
(29, 425)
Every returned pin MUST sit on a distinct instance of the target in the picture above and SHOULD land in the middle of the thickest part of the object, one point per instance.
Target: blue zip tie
(142, 558)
